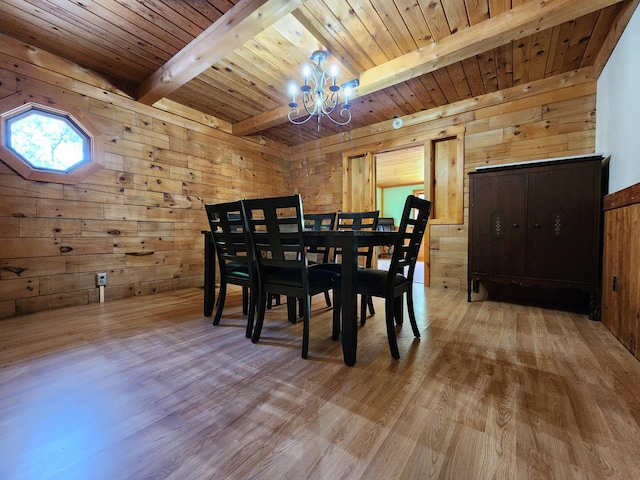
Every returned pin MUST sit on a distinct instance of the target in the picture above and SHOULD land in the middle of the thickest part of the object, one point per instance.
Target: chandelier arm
(295, 120)
(310, 105)
(330, 104)
(344, 113)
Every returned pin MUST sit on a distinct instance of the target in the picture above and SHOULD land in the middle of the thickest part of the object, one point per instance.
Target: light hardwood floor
(147, 388)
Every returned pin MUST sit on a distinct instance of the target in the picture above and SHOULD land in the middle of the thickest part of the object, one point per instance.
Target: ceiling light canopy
(320, 94)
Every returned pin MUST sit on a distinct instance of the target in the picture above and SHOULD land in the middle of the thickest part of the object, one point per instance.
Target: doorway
(443, 185)
(399, 172)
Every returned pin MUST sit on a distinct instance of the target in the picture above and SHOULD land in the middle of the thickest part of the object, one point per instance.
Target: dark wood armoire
(538, 224)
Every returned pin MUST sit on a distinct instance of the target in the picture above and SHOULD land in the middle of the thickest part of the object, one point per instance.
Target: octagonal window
(44, 141)
(47, 141)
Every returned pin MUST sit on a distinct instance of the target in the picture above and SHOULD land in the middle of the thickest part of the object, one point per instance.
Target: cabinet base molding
(560, 298)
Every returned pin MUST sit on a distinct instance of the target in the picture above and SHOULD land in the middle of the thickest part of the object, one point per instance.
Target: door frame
(365, 198)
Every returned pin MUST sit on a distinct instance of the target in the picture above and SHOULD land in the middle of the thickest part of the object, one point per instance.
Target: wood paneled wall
(544, 120)
(138, 219)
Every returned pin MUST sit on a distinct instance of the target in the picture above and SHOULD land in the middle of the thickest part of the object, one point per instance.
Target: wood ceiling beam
(519, 22)
(244, 21)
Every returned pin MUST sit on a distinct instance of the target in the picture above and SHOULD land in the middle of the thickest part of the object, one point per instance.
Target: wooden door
(358, 184)
(613, 240)
(498, 224)
(621, 275)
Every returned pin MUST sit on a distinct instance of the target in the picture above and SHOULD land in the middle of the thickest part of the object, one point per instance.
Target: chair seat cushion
(293, 277)
(237, 270)
(332, 267)
(375, 279)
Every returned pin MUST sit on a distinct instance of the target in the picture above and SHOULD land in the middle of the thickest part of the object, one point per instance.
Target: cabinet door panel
(562, 233)
(498, 224)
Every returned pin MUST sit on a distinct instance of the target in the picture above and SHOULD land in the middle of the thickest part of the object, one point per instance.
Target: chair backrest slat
(358, 220)
(319, 221)
(413, 225)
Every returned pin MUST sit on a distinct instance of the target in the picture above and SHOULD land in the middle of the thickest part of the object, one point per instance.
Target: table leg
(349, 302)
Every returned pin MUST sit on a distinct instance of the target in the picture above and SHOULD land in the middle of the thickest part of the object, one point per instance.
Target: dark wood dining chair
(277, 233)
(235, 257)
(398, 280)
(356, 221)
(317, 222)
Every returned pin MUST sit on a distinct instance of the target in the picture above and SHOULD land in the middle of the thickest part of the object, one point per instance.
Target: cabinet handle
(515, 225)
(537, 225)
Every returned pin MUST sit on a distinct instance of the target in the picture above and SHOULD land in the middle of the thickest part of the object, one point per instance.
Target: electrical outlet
(101, 279)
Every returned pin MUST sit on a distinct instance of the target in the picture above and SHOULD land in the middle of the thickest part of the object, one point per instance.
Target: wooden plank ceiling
(234, 59)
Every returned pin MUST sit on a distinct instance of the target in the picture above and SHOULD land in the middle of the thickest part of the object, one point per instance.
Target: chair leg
(222, 295)
(366, 301)
(262, 307)
(291, 309)
(327, 298)
(412, 314)
(271, 298)
(252, 311)
(389, 306)
(398, 310)
(245, 300)
(305, 326)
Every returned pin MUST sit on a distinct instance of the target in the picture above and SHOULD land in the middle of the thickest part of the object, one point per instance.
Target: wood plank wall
(544, 120)
(138, 219)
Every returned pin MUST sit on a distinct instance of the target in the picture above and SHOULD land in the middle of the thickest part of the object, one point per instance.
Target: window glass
(47, 141)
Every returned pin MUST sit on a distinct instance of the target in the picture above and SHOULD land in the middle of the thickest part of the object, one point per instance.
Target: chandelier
(320, 94)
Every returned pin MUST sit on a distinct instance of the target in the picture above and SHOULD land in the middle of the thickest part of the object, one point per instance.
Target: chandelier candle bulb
(293, 90)
(306, 71)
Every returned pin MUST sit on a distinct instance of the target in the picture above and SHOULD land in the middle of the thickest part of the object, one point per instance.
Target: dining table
(349, 241)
